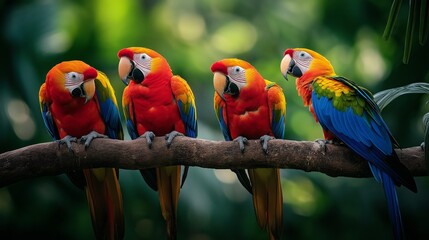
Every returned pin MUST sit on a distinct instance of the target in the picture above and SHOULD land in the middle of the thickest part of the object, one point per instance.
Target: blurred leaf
(393, 16)
(383, 98)
(412, 12)
(424, 22)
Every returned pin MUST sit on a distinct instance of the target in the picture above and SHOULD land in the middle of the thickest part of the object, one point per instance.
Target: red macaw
(249, 107)
(348, 113)
(77, 101)
(156, 103)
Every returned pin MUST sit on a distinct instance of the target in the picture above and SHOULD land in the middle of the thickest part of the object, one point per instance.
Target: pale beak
(284, 65)
(124, 68)
(219, 82)
(89, 89)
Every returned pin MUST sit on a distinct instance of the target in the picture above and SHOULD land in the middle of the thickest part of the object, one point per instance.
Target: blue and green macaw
(348, 113)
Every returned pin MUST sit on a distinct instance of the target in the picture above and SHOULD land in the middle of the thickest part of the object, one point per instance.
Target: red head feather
(126, 53)
(219, 67)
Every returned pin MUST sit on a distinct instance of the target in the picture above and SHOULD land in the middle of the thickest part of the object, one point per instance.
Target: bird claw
(422, 145)
(149, 136)
(67, 140)
(323, 143)
(169, 137)
(241, 141)
(264, 141)
(87, 139)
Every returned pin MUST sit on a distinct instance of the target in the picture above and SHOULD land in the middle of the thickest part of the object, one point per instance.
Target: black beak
(78, 92)
(135, 74)
(293, 69)
(231, 88)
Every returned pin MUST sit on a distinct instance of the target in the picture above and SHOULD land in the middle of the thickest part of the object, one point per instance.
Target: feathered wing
(220, 110)
(188, 111)
(186, 103)
(76, 177)
(103, 191)
(360, 126)
(355, 119)
(46, 113)
(267, 192)
(277, 106)
(108, 107)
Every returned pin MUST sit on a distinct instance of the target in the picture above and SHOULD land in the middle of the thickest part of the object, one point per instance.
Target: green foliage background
(191, 34)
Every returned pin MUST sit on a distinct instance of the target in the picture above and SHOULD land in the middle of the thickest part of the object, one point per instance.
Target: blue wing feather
(189, 119)
(223, 126)
(367, 137)
(277, 106)
(49, 121)
(108, 109)
(375, 111)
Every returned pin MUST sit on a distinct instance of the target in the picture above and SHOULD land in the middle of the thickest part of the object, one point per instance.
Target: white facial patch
(143, 62)
(73, 80)
(303, 60)
(237, 75)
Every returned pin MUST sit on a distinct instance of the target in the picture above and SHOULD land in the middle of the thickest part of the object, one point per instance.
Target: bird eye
(73, 77)
(304, 55)
(143, 56)
(237, 69)
(142, 59)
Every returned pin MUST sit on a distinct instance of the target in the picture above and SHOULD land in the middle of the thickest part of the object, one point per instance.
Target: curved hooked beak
(125, 68)
(284, 65)
(88, 88)
(223, 85)
(288, 66)
(84, 90)
(128, 71)
(219, 83)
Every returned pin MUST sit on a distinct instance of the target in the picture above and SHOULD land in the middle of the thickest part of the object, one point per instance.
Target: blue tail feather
(393, 206)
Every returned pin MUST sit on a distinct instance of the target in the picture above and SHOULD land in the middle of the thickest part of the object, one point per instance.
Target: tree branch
(47, 159)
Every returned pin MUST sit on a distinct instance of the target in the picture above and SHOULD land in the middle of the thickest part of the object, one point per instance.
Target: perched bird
(348, 114)
(156, 103)
(77, 101)
(249, 107)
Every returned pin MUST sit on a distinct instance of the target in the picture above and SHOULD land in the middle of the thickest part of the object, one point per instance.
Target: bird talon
(149, 136)
(87, 139)
(169, 137)
(264, 141)
(241, 141)
(323, 143)
(67, 140)
(422, 145)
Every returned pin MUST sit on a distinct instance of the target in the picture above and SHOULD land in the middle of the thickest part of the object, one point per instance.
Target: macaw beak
(284, 65)
(125, 67)
(219, 82)
(88, 87)
(223, 85)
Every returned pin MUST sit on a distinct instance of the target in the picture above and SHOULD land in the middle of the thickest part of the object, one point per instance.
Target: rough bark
(48, 159)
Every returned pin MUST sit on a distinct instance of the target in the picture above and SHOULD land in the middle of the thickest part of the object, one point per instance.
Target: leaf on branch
(383, 98)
